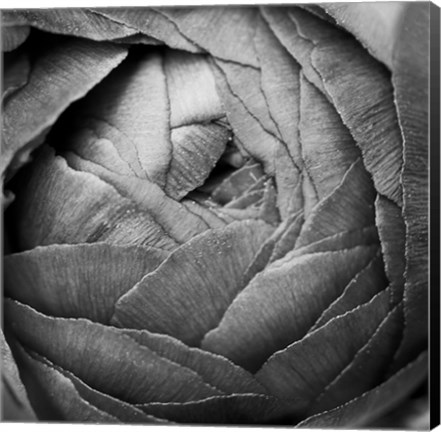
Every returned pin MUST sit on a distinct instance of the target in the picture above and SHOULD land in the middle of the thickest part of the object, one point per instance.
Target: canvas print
(216, 215)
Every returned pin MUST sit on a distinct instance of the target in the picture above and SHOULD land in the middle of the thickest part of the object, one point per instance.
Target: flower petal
(176, 219)
(365, 285)
(248, 199)
(285, 28)
(375, 25)
(44, 377)
(232, 409)
(361, 91)
(189, 312)
(15, 402)
(245, 83)
(55, 396)
(288, 237)
(138, 39)
(349, 207)
(318, 12)
(248, 213)
(298, 294)
(375, 402)
(357, 85)
(366, 370)
(288, 178)
(392, 232)
(281, 241)
(237, 183)
(255, 139)
(301, 371)
(124, 124)
(16, 70)
(214, 369)
(328, 149)
(60, 76)
(49, 212)
(132, 101)
(210, 217)
(78, 281)
(411, 83)
(151, 23)
(268, 208)
(79, 22)
(13, 35)
(196, 150)
(225, 32)
(191, 88)
(343, 240)
(280, 84)
(128, 371)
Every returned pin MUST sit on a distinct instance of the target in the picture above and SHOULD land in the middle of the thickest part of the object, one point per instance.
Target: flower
(219, 215)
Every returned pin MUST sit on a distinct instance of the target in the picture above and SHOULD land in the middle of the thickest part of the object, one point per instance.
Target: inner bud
(151, 153)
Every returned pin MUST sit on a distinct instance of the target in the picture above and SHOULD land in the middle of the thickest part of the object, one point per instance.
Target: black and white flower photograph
(216, 215)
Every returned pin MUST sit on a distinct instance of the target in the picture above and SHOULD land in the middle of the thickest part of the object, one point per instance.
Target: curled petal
(13, 36)
(60, 76)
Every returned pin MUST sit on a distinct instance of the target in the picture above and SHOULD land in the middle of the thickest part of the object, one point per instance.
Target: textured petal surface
(362, 93)
(62, 75)
(56, 396)
(280, 84)
(224, 217)
(16, 69)
(128, 370)
(196, 150)
(78, 281)
(285, 28)
(13, 36)
(328, 149)
(410, 78)
(366, 369)
(245, 83)
(132, 104)
(357, 85)
(365, 285)
(53, 193)
(192, 89)
(151, 23)
(42, 377)
(215, 370)
(73, 22)
(232, 409)
(348, 207)
(15, 402)
(298, 293)
(374, 402)
(379, 35)
(392, 233)
(301, 371)
(197, 306)
(226, 33)
(255, 139)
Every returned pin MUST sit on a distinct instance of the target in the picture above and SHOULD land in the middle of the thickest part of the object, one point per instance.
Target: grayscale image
(216, 215)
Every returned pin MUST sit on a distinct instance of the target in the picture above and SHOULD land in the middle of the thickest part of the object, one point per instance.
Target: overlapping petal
(61, 75)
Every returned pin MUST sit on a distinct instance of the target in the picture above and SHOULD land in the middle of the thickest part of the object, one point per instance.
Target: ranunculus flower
(215, 215)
